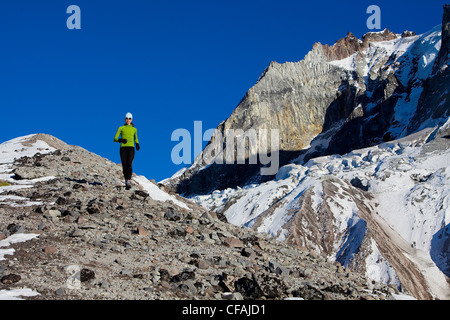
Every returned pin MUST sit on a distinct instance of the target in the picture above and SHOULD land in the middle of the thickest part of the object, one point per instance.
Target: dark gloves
(138, 147)
(123, 141)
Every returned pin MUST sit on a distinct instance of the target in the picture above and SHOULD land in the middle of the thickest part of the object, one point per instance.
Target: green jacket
(129, 133)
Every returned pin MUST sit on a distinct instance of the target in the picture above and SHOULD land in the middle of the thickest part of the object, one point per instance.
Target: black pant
(127, 157)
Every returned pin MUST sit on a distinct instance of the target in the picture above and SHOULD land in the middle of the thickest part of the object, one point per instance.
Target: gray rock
(188, 287)
(126, 272)
(76, 233)
(173, 215)
(178, 232)
(41, 226)
(52, 214)
(60, 292)
(271, 286)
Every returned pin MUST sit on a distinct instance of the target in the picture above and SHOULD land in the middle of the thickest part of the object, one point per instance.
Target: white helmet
(129, 116)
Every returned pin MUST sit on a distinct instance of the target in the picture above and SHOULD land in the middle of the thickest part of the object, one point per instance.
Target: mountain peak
(345, 47)
(384, 35)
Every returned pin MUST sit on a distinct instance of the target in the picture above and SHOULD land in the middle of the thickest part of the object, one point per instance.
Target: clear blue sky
(170, 63)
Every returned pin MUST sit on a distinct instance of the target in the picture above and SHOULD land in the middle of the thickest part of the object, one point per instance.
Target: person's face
(128, 120)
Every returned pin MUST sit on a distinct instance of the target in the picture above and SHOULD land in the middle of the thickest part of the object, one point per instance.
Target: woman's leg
(130, 160)
(123, 158)
(127, 157)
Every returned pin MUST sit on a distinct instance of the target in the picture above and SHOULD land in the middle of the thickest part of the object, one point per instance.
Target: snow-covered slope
(26, 146)
(404, 184)
(156, 193)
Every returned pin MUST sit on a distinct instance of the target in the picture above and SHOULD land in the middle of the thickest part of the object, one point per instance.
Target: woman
(128, 139)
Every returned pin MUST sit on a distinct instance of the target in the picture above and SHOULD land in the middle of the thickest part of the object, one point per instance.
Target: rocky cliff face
(444, 54)
(434, 103)
(290, 97)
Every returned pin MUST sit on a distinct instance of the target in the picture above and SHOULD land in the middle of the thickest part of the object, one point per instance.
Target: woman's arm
(138, 147)
(118, 133)
(135, 136)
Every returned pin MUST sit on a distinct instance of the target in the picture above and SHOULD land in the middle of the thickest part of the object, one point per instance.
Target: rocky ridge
(95, 240)
(345, 47)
